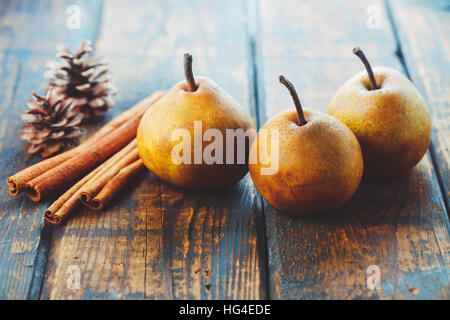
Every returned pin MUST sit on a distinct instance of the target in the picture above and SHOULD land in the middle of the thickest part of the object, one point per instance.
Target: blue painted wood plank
(400, 225)
(157, 241)
(422, 30)
(29, 33)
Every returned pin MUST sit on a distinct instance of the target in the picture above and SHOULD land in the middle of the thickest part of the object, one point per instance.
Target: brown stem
(298, 106)
(191, 85)
(363, 58)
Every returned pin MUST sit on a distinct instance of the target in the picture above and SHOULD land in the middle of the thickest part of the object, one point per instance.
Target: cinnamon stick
(115, 185)
(18, 181)
(89, 190)
(61, 176)
(67, 202)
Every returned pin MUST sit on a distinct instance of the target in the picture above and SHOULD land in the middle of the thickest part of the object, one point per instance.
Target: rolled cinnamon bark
(115, 185)
(66, 203)
(89, 190)
(63, 175)
(58, 178)
(69, 201)
(18, 181)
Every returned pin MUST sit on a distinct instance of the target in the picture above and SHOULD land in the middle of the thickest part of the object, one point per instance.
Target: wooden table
(159, 242)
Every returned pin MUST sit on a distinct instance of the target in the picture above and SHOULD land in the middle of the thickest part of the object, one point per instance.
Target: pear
(319, 160)
(388, 116)
(182, 137)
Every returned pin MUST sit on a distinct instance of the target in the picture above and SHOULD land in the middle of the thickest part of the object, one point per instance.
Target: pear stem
(301, 116)
(360, 54)
(191, 85)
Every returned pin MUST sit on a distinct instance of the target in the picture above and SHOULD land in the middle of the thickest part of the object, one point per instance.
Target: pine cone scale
(54, 130)
(81, 78)
(78, 88)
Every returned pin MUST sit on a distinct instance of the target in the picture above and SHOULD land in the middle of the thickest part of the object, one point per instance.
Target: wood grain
(26, 43)
(400, 225)
(422, 31)
(157, 241)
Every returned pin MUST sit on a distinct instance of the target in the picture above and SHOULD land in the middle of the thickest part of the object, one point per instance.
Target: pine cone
(51, 124)
(82, 80)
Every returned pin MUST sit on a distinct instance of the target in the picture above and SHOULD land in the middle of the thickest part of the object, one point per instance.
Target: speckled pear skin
(392, 123)
(179, 108)
(320, 164)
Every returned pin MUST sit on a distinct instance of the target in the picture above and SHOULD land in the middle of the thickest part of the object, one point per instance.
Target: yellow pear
(388, 116)
(182, 137)
(319, 160)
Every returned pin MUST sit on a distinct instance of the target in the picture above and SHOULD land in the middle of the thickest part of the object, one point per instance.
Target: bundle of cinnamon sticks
(92, 173)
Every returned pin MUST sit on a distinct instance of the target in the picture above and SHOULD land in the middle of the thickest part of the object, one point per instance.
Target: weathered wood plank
(29, 33)
(400, 225)
(422, 29)
(158, 241)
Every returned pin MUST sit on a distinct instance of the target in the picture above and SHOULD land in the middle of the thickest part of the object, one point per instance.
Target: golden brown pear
(188, 104)
(388, 116)
(319, 165)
